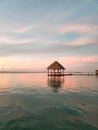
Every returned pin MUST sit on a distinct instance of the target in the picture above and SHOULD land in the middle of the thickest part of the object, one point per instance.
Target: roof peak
(55, 65)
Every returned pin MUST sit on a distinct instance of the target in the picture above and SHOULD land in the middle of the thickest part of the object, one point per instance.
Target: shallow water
(38, 102)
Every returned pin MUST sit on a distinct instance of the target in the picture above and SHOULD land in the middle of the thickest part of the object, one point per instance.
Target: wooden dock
(80, 74)
(55, 74)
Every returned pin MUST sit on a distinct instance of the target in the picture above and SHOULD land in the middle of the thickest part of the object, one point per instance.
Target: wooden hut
(96, 72)
(56, 69)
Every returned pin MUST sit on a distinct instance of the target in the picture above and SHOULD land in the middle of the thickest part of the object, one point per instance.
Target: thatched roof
(55, 65)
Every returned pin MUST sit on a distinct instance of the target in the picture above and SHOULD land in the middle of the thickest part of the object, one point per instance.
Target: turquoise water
(39, 102)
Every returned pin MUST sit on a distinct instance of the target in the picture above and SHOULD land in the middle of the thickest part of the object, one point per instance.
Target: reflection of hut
(96, 72)
(56, 69)
(55, 82)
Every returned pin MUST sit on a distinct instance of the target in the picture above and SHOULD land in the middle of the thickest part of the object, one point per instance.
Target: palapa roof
(55, 65)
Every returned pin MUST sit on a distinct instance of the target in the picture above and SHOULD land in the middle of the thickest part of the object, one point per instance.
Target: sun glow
(2, 61)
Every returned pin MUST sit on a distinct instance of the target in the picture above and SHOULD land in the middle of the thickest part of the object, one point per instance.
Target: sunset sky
(35, 33)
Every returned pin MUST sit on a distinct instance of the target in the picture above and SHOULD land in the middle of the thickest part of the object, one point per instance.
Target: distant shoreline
(28, 72)
(19, 72)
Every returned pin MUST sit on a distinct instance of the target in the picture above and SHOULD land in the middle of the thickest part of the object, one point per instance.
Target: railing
(55, 73)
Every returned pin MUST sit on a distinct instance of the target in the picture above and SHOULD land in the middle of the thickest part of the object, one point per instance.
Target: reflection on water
(36, 101)
(55, 82)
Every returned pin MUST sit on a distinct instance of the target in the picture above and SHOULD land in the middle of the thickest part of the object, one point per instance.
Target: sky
(35, 33)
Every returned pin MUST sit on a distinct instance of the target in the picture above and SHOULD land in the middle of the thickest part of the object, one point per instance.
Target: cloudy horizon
(35, 33)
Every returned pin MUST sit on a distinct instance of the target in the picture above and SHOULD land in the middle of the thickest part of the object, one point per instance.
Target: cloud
(83, 41)
(23, 29)
(64, 30)
(17, 28)
(80, 63)
(71, 63)
(47, 49)
(69, 60)
(9, 40)
(79, 28)
(79, 59)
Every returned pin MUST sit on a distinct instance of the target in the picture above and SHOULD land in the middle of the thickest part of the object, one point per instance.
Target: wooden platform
(70, 74)
(81, 74)
(55, 74)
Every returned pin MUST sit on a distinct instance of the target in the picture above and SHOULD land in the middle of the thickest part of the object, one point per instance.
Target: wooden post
(58, 72)
(54, 71)
(96, 72)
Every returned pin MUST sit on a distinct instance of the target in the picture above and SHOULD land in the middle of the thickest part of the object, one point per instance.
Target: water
(36, 102)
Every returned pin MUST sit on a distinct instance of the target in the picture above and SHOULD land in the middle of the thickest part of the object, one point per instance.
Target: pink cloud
(68, 62)
(39, 64)
(74, 59)
(80, 28)
(82, 41)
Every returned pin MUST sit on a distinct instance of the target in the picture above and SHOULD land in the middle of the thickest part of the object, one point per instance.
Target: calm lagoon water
(38, 102)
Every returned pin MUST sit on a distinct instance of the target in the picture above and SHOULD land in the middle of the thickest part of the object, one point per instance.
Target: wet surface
(39, 102)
